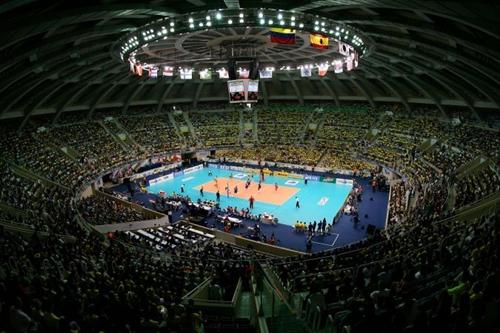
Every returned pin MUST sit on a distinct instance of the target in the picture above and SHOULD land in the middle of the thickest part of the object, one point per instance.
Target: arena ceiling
(56, 56)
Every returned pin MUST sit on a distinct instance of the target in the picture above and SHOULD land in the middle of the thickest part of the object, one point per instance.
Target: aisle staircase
(312, 125)
(121, 138)
(59, 147)
(476, 164)
(427, 144)
(248, 122)
(30, 175)
(189, 124)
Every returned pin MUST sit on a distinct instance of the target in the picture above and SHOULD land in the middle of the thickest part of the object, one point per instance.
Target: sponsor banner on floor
(193, 169)
(342, 181)
(213, 165)
(312, 177)
(326, 179)
(281, 173)
(161, 179)
(240, 175)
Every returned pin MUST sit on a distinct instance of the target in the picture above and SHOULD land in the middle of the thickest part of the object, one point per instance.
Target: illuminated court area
(317, 200)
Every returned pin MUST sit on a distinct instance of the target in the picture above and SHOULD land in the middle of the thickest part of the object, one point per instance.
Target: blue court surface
(318, 200)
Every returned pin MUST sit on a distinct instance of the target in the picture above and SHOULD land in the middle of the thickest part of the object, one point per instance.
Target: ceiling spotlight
(261, 15)
(262, 21)
(280, 16)
(301, 25)
(331, 31)
(218, 16)
(191, 25)
(292, 18)
(201, 24)
(322, 24)
(209, 24)
(190, 20)
(230, 21)
(316, 22)
(241, 15)
(292, 24)
(172, 24)
(270, 21)
(242, 20)
(172, 29)
(207, 18)
(282, 22)
(337, 28)
(316, 28)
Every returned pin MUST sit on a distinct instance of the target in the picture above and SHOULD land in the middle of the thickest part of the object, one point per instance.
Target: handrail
(131, 204)
(27, 229)
(224, 236)
(197, 288)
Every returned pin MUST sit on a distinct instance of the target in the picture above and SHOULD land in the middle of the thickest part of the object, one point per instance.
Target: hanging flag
(206, 74)
(266, 73)
(223, 73)
(305, 72)
(138, 69)
(243, 73)
(344, 48)
(322, 69)
(338, 66)
(282, 36)
(318, 41)
(349, 63)
(168, 71)
(186, 74)
(153, 72)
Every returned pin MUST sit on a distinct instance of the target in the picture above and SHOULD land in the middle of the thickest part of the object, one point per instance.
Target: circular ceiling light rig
(349, 42)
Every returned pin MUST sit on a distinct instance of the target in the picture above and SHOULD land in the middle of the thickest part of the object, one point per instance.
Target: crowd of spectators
(216, 128)
(100, 209)
(41, 207)
(154, 132)
(477, 186)
(300, 155)
(429, 273)
(86, 286)
(441, 276)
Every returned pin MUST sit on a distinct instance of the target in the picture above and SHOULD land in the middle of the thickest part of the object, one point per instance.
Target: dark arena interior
(327, 166)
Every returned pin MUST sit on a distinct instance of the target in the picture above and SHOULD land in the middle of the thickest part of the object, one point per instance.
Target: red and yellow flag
(318, 41)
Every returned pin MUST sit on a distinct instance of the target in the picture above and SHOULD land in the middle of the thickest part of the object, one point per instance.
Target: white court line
(187, 178)
(331, 245)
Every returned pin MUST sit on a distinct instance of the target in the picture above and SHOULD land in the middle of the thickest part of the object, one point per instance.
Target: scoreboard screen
(236, 90)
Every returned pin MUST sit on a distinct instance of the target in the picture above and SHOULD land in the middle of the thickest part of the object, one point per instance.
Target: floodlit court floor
(318, 200)
(268, 193)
